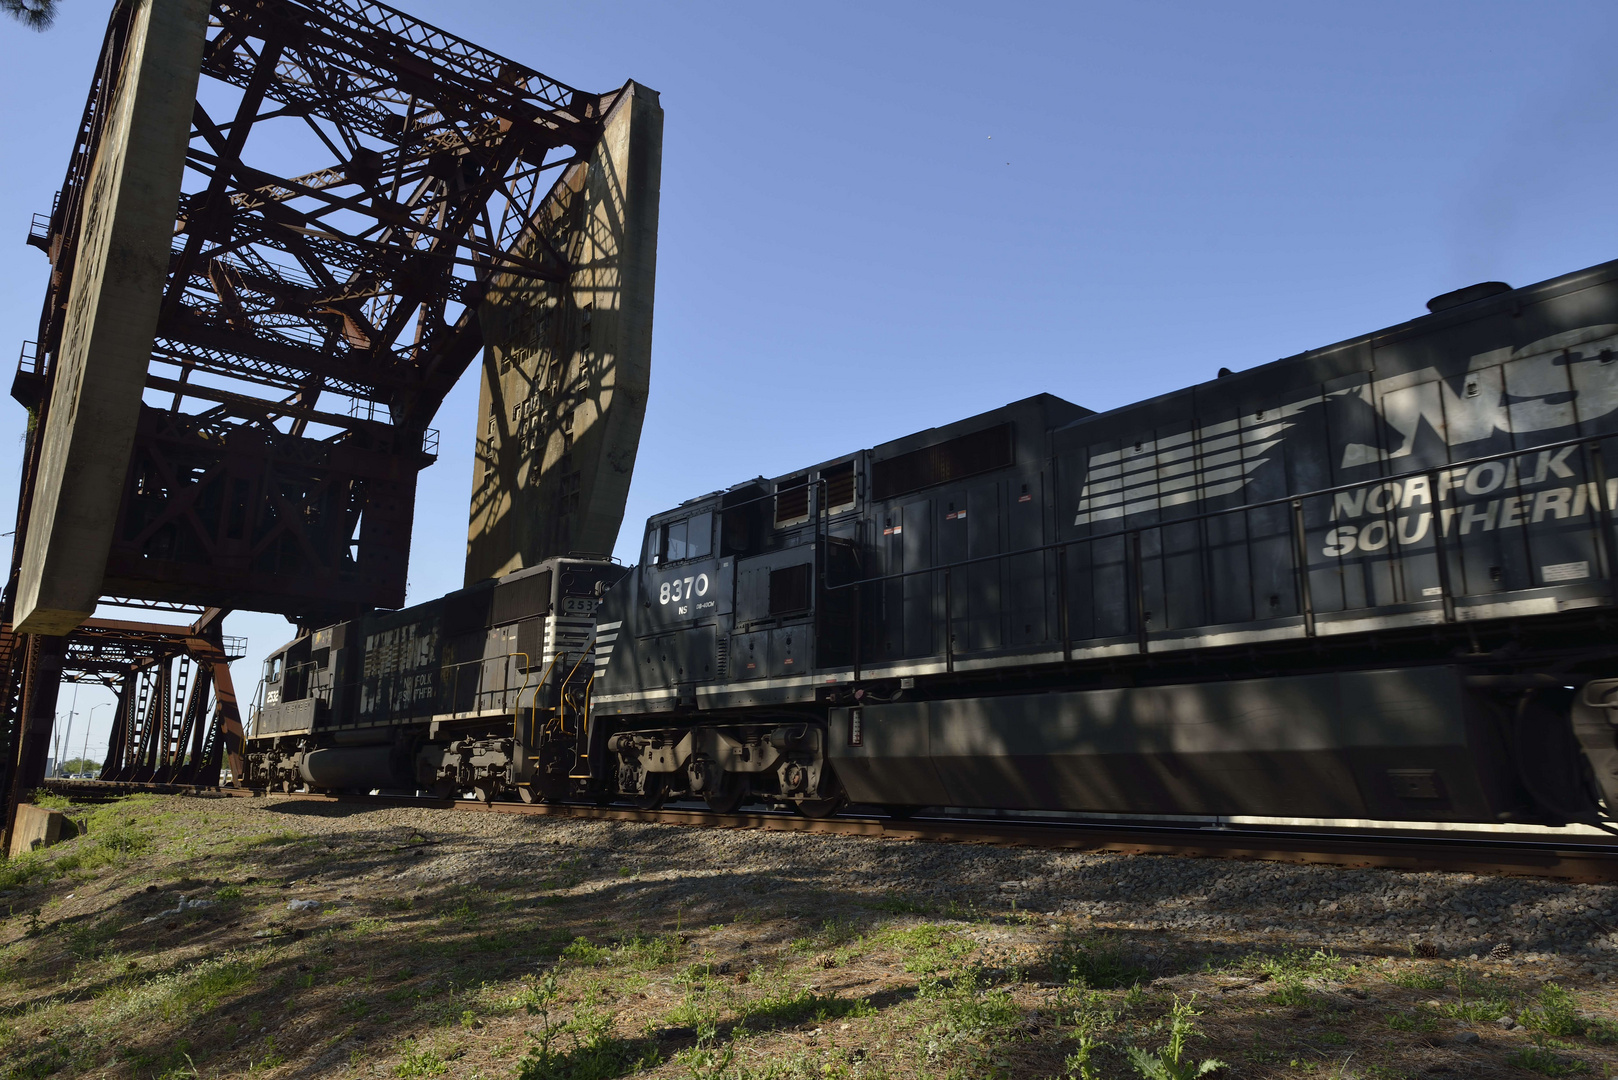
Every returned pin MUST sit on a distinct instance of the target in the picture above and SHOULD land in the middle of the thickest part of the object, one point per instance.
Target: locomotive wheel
(484, 793)
(656, 791)
(525, 792)
(1549, 761)
(726, 801)
(820, 808)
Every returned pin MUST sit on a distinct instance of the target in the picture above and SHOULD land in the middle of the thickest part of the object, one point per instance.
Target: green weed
(25, 869)
(355, 1008)
(92, 940)
(1291, 968)
(651, 952)
(1555, 1012)
(1087, 1012)
(1419, 1021)
(272, 1059)
(972, 1012)
(595, 1054)
(1477, 1010)
(1168, 1062)
(583, 954)
(417, 1062)
(1302, 964)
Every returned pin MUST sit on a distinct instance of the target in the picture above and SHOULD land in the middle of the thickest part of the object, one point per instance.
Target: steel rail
(1474, 853)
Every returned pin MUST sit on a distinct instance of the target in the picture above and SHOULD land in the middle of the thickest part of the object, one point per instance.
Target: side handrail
(1283, 500)
(516, 709)
(479, 693)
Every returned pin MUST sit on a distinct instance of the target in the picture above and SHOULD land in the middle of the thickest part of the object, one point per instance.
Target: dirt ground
(191, 937)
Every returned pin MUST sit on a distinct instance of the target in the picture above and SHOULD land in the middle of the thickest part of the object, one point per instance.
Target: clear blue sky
(880, 217)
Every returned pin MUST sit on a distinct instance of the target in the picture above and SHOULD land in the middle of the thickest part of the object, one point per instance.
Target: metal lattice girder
(354, 181)
(437, 155)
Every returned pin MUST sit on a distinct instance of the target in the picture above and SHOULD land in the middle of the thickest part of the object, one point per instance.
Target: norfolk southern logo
(1178, 469)
(1556, 383)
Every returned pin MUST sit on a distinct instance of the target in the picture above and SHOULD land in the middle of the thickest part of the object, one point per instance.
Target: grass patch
(1418, 1022)
(973, 1018)
(1480, 1007)
(1546, 1062)
(1094, 962)
(832, 933)
(1555, 1012)
(798, 1006)
(177, 995)
(928, 948)
(1320, 964)
(1417, 979)
(417, 1062)
(1291, 969)
(651, 952)
(898, 905)
(25, 869)
(581, 953)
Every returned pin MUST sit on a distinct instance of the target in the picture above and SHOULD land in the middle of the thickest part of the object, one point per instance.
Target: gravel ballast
(363, 935)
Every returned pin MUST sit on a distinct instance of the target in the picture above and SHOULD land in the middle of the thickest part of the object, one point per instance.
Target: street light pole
(67, 736)
(84, 755)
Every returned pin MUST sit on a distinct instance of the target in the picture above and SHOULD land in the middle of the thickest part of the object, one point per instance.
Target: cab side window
(699, 537)
(676, 541)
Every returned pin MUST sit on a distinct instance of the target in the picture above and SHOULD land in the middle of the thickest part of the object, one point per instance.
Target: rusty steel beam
(313, 318)
(311, 322)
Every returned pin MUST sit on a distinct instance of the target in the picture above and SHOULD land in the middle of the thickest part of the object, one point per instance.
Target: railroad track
(1476, 853)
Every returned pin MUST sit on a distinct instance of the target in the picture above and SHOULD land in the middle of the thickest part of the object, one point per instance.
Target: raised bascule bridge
(286, 229)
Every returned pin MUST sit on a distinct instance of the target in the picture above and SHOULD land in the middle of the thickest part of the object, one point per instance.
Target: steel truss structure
(165, 677)
(313, 319)
(177, 719)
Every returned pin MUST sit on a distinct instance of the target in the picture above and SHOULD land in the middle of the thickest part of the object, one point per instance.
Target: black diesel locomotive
(1374, 580)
